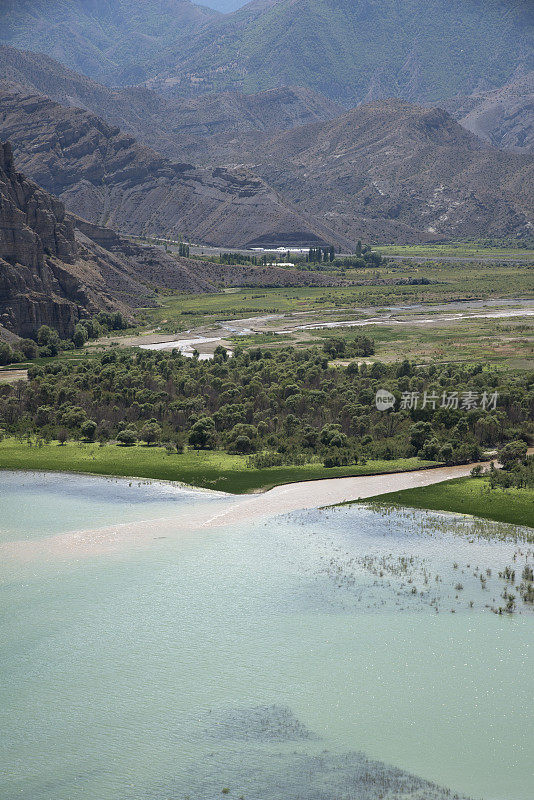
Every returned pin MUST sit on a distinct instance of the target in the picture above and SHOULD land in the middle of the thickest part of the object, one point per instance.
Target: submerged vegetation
(473, 496)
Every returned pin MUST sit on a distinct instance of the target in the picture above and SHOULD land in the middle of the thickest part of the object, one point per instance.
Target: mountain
(393, 171)
(46, 277)
(225, 6)
(209, 128)
(503, 117)
(386, 171)
(56, 269)
(222, 127)
(106, 177)
(115, 41)
(358, 50)
(352, 51)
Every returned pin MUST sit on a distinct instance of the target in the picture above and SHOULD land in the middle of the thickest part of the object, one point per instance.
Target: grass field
(507, 344)
(449, 282)
(455, 249)
(468, 496)
(211, 470)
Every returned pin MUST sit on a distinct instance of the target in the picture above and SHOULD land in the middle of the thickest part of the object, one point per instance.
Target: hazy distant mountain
(393, 171)
(357, 50)
(225, 6)
(349, 50)
(504, 117)
(115, 41)
(205, 129)
(105, 176)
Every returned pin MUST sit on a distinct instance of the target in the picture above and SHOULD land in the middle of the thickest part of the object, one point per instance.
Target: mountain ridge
(105, 176)
(115, 41)
(203, 129)
(503, 117)
(419, 51)
(391, 168)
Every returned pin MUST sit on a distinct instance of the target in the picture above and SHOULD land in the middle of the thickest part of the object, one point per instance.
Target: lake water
(325, 655)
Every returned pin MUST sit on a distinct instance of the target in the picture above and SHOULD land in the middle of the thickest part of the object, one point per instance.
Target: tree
(28, 348)
(203, 435)
(513, 454)
(243, 445)
(44, 335)
(446, 453)
(44, 415)
(419, 433)
(62, 436)
(359, 249)
(151, 432)
(334, 346)
(49, 340)
(80, 336)
(430, 450)
(88, 430)
(328, 433)
(5, 354)
(405, 368)
(220, 354)
(127, 437)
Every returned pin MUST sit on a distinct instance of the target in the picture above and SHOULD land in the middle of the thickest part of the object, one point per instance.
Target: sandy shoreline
(330, 491)
(284, 499)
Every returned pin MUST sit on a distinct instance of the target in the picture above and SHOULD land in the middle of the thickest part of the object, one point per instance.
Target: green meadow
(206, 469)
(467, 496)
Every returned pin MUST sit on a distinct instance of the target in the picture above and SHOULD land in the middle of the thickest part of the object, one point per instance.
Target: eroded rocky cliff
(38, 257)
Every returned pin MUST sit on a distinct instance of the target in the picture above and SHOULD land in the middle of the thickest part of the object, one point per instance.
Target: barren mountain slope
(209, 128)
(395, 171)
(503, 117)
(106, 177)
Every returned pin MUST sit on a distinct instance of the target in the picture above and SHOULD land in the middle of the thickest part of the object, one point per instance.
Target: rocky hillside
(503, 117)
(106, 177)
(392, 171)
(56, 268)
(119, 42)
(420, 50)
(219, 128)
(387, 171)
(42, 272)
(208, 128)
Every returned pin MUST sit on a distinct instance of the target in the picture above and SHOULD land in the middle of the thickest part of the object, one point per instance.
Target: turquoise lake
(336, 654)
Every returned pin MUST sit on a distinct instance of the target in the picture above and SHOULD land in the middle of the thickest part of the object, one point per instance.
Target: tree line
(47, 342)
(274, 405)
